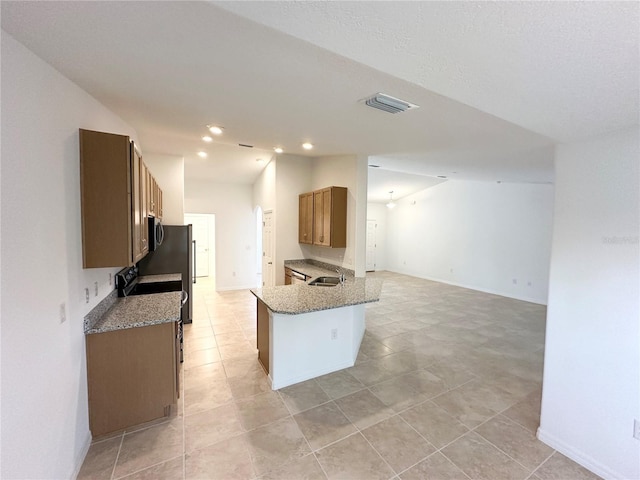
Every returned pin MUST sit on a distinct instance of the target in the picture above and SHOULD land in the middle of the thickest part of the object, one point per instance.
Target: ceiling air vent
(389, 104)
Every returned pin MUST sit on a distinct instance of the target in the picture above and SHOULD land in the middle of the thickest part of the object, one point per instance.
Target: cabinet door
(136, 203)
(131, 376)
(305, 218)
(144, 227)
(105, 188)
(149, 195)
(322, 217)
(262, 335)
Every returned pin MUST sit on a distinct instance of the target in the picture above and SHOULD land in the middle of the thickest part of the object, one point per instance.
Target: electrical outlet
(529, 283)
(233, 274)
(636, 429)
(63, 312)
(334, 334)
(515, 281)
(95, 286)
(86, 295)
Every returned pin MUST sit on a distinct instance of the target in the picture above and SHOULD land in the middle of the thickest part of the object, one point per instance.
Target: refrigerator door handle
(194, 261)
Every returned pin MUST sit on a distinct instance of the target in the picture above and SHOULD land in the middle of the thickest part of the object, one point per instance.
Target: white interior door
(371, 245)
(201, 236)
(268, 271)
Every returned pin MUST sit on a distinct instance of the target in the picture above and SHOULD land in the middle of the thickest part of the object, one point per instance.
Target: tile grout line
(502, 451)
(115, 464)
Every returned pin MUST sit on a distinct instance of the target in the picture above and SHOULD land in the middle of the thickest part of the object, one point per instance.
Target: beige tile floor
(446, 386)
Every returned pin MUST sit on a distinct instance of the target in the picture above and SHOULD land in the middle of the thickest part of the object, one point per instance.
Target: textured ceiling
(498, 83)
(562, 69)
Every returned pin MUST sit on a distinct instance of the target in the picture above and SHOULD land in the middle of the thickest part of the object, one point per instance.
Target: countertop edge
(138, 311)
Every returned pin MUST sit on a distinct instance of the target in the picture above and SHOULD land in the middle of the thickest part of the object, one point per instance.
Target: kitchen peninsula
(305, 331)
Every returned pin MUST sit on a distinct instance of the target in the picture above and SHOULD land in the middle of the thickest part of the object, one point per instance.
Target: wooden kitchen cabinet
(132, 376)
(330, 217)
(262, 337)
(140, 222)
(159, 203)
(154, 196)
(111, 195)
(305, 218)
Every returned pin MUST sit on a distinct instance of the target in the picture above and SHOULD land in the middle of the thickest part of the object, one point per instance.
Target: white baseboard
(579, 457)
(471, 287)
(309, 375)
(82, 455)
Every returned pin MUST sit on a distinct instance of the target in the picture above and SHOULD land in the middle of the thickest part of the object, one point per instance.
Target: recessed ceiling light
(207, 138)
(278, 149)
(307, 146)
(442, 176)
(374, 166)
(202, 154)
(215, 130)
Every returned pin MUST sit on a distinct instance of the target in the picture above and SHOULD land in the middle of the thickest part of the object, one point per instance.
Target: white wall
(591, 389)
(264, 188)
(232, 205)
(277, 189)
(477, 235)
(168, 170)
(293, 177)
(378, 212)
(44, 416)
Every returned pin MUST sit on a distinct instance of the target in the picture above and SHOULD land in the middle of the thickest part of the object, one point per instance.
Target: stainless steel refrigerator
(174, 255)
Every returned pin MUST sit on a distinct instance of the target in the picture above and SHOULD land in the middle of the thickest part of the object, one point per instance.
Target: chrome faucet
(341, 276)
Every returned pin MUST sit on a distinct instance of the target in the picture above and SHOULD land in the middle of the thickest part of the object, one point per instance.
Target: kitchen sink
(325, 282)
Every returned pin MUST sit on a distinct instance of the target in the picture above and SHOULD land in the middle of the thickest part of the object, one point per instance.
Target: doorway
(259, 251)
(371, 245)
(268, 250)
(204, 235)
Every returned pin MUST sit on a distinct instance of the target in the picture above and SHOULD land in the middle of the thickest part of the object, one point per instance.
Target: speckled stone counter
(314, 269)
(137, 311)
(302, 298)
(169, 277)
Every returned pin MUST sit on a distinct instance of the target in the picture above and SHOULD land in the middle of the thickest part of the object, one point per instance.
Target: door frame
(268, 281)
(211, 220)
(375, 245)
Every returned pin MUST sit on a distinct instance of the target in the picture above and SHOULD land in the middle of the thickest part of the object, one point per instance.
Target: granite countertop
(136, 311)
(302, 298)
(169, 277)
(316, 270)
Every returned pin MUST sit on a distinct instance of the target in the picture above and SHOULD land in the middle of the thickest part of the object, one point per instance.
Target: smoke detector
(389, 104)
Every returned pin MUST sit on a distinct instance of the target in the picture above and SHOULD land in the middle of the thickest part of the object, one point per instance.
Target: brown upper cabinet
(329, 217)
(138, 205)
(114, 193)
(305, 218)
(154, 196)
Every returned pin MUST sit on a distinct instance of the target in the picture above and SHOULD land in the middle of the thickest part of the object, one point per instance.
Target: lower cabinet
(132, 376)
(262, 341)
